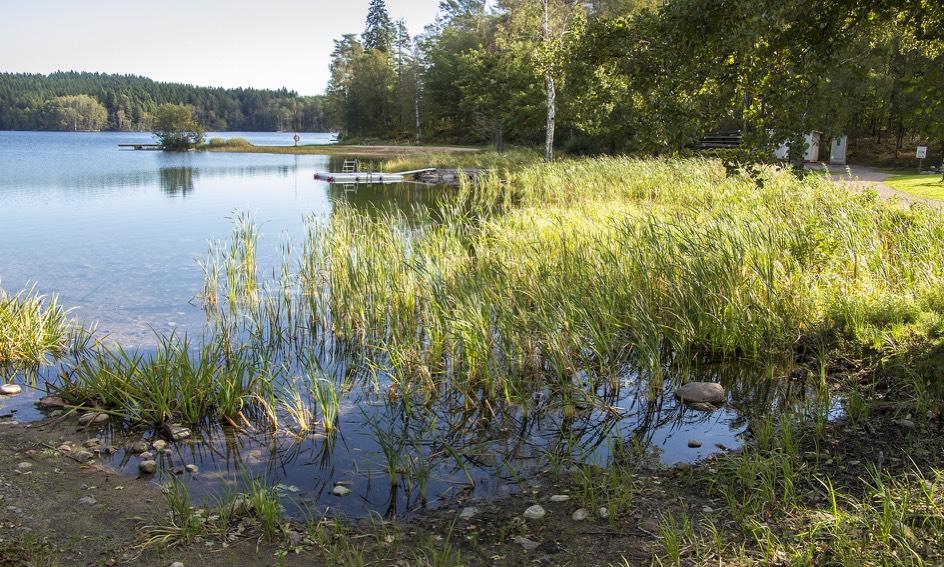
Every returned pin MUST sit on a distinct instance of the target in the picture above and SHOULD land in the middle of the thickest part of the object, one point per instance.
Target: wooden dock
(447, 176)
(152, 147)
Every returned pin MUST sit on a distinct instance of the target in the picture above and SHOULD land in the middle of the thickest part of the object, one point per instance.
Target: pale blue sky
(265, 44)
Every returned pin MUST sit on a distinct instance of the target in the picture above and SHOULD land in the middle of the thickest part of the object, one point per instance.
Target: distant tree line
(648, 76)
(95, 101)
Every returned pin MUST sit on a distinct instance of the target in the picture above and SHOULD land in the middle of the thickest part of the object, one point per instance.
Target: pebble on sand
(535, 512)
(10, 389)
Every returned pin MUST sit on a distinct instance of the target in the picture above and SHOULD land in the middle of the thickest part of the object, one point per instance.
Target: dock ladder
(350, 166)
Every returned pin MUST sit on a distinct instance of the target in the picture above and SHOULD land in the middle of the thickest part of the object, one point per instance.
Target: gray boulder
(701, 393)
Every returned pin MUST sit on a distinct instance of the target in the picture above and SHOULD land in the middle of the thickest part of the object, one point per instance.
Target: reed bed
(580, 267)
(33, 328)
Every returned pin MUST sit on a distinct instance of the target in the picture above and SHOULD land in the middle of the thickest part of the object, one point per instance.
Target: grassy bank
(930, 186)
(593, 264)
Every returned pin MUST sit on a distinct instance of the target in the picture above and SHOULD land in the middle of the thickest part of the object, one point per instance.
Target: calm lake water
(116, 234)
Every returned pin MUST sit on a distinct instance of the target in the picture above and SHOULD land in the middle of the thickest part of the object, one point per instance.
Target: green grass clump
(175, 384)
(930, 186)
(32, 328)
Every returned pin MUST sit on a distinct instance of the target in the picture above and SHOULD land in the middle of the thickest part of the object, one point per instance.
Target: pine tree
(380, 32)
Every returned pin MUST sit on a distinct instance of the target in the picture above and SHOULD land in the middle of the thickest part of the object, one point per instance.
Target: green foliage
(380, 31)
(130, 102)
(650, 77)
(79, 112)
(175, 127)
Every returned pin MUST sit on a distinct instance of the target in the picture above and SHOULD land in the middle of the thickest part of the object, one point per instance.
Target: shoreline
(357, 151)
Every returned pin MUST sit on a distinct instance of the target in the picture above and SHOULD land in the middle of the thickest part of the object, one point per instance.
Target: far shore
(358, 151)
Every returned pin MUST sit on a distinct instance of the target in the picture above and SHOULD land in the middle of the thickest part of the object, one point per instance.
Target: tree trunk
(549, 139)
(551, 96)
(416, 110)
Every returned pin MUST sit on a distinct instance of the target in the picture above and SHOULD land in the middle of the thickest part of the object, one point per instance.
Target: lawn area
(930, 186)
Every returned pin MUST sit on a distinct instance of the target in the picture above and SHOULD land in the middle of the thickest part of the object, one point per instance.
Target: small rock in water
(560, 498)
(159, 445)
(603, 512)
(24, 467)
(87, 501)
(535, 512)
(701, 392)
(525, 543)
(81, 455)
(147, 467)
(93, 418)
(176, 432)
(146, 456)
(580, 515)
(89, 443)
(50, 402)
(468, 512)
(10, 389)
(139, 447)
(192, 469)
(340, 490)
(694, 443)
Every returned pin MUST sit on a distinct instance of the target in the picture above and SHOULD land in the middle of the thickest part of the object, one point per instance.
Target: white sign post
(921, 154)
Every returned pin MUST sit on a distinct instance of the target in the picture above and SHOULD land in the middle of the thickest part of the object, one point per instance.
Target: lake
(116, 234)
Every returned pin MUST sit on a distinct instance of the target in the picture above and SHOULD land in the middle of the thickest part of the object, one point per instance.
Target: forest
(96, 101)
(645, 76)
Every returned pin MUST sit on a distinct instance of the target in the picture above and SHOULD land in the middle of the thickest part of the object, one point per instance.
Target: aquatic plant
(178, 382)
(33, 328)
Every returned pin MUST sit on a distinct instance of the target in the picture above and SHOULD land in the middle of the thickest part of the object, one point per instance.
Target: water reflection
(176, 180)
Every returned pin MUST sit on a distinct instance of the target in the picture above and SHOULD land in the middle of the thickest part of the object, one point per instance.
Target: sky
(225, 43)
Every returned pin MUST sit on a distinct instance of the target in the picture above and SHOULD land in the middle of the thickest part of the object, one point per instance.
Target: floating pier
(350, 174)
(152, 147)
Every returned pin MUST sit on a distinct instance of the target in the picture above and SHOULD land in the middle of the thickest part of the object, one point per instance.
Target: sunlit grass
(586, 265)
(33, 328)
(930, 186)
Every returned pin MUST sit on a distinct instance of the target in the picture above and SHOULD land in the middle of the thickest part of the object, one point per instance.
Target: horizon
(279, 50)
